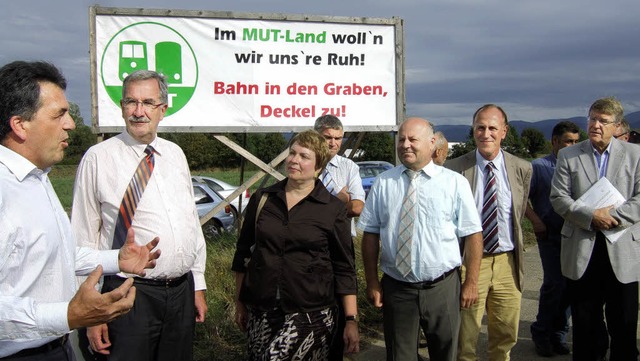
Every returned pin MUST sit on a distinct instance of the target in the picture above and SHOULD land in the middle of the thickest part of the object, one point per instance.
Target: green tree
(513, 144)
(378, 146)
(534, 141)
(80, 139)
(463, 148)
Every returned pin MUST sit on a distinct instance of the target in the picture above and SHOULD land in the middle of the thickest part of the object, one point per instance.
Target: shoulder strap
(263, 200)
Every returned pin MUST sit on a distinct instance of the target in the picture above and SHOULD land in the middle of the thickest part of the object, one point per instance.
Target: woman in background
(294, 260)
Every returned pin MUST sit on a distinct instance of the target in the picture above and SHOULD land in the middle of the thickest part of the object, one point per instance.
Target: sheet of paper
(604, 194)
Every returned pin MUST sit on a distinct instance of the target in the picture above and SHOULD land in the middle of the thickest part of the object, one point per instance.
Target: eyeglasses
(619, 135)
(132, 104)
(601, 121)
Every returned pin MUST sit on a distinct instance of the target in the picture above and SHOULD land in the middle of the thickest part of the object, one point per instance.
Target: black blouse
(306, 253)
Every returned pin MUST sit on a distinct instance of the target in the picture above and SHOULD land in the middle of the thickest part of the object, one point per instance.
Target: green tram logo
(150, 46)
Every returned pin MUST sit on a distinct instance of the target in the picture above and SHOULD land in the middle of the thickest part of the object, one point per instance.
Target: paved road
(524, 349)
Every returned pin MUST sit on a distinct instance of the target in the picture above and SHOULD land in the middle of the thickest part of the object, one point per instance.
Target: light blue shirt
(505, 226)
(445, 212)
(602, 160)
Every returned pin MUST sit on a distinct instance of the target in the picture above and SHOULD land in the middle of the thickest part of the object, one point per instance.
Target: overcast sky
(538, 59)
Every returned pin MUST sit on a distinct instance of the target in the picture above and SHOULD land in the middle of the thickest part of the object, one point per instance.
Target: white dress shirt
(166, 209)
(445, 212)
(38, 257)
(345, 172)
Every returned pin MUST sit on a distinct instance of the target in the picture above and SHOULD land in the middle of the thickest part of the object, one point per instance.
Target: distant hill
(459, 133)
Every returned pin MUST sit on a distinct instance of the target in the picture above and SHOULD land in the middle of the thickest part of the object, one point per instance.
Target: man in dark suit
(500, 185)
(600, 273)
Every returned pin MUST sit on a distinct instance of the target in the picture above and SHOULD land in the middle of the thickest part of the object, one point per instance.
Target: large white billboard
(251, 73)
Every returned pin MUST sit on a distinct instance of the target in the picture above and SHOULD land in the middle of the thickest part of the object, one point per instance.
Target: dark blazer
(519, 175)
(306, 253)
(576, 172)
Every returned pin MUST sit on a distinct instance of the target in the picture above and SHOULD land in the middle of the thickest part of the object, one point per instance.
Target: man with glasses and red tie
(601, 273)
(500, 184)
(139, 180)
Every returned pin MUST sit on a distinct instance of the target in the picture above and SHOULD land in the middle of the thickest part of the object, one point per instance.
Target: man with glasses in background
(622, 131)
(153, 175)
(600, 273)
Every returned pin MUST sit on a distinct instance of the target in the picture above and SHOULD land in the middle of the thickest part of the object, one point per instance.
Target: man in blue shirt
(549, 331)
(415, 214)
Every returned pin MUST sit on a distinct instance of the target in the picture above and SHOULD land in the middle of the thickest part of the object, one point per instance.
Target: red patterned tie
(132, 196)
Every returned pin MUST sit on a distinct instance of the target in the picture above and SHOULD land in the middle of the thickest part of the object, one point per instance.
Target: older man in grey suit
(600, 273)
(500, 185)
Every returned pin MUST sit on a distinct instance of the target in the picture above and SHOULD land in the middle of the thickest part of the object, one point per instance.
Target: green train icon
(133, 56)
(168, 55)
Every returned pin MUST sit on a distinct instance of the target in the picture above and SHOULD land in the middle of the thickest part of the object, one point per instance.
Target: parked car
(226, 220)
(225, 190)
(369, 170)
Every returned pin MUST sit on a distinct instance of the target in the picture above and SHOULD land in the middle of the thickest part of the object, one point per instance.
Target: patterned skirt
(278, 336)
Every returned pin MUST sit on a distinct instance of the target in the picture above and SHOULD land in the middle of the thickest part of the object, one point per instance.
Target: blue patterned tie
(490, 211)
(405, 228)
(132, 196)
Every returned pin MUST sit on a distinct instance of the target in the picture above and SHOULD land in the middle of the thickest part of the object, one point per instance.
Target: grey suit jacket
(576, 172)
(519, 175)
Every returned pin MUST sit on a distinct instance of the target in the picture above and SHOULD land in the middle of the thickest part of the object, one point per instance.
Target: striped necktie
(132, 196)
(405, 229)
(328, 182)
(490, 211)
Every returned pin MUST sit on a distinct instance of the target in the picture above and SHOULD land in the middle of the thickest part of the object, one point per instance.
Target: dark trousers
(159, 327)
(552, 321)
(61, 353)
(600, 288)
(336, 349)
(434, 308)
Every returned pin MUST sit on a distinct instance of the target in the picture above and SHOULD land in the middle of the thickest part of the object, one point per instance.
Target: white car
(224, 189)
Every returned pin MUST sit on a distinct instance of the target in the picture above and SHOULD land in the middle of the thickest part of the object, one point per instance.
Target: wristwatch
(353, 318)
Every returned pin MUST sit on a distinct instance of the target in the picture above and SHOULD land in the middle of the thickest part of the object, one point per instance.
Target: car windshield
(371, 171)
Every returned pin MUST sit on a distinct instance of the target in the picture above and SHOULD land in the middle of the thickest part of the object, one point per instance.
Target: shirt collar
(20, 166)
(497, 161)
(607, 150)
(431, 169)
(138, 147)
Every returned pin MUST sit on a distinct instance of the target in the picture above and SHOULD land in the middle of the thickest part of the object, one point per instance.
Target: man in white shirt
(39, 298)
(416, 226)
(171, 297)
(341, 176)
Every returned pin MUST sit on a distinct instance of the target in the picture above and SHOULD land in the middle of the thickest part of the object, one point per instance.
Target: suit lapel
(588, 161)
(616, 158)
(470, 170)
(512, 177)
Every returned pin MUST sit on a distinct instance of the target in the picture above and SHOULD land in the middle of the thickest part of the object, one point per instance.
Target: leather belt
(424, 284)
(166, 283)
(58, 342)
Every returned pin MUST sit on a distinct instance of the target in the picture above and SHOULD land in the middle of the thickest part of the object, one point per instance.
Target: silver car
(224, 221)
(225, 189)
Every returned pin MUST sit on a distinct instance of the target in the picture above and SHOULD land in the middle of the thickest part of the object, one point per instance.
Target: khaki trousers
(499, 295)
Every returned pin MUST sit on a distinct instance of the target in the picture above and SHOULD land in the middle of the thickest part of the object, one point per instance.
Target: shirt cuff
(109, 261)
(198, 281)
(52, 318)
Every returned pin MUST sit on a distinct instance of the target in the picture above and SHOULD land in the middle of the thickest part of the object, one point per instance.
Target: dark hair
(314, 141)
(146, 75)
(328, 121)
(609, 106)
(564, 126)
(20, 90)
(489, 106)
